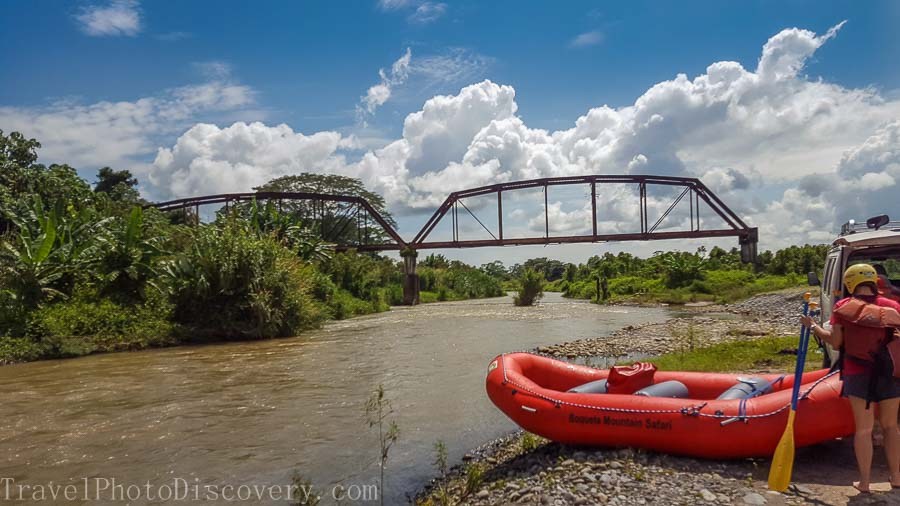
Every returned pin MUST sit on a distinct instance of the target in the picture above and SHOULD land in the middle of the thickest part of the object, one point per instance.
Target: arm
(834, 337)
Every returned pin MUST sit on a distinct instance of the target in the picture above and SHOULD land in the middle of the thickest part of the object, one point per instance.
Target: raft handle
(530, 410)
(732, 420)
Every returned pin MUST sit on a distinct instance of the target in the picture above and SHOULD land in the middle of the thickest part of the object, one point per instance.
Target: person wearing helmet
(885, 287)
(865, 381)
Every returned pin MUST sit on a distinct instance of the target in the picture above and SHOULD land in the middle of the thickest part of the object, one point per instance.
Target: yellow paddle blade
(783, 460)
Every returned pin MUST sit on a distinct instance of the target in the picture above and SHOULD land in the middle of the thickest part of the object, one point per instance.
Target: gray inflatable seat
(594, 387)
(672, 388)
(746, 388)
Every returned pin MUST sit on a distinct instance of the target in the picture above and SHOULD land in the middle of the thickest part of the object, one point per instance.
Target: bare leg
(888, 418)
(862, 441)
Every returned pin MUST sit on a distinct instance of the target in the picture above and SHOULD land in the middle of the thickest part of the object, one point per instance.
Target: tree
(21, 179)
(15, 152)
(334, 221)
(118, 184)
(495, 269)
(436, 261)
(681, 268)
(531, 288)
(551, 269)
(128, 258)
(571, 272)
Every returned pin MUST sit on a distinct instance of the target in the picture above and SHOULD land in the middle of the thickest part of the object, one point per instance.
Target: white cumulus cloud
(794, 155)
(378, 94)
(120, 133)
(747, 133)
(119, 17)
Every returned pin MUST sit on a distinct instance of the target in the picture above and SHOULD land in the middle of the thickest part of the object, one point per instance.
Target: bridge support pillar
(410, 278)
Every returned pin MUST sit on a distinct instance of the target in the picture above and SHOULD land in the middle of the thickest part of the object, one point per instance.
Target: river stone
(754, 499)
(482, 494)
(803, 489)
(707, 495)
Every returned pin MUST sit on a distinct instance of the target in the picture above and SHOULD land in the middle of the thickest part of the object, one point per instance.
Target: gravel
(761, 315)
(554, 474)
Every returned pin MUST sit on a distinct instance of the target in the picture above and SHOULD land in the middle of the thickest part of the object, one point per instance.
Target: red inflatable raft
(533, 391)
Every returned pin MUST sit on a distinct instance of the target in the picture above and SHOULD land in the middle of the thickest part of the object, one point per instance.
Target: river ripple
(252, 412)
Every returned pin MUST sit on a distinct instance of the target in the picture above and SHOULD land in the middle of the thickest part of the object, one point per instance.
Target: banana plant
(29, 262)
(128, 257)
(309, 246)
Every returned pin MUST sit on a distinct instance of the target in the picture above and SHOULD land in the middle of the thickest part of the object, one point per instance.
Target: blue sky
(113, 83)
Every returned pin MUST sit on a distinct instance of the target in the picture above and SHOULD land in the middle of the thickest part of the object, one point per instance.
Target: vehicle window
(826, 277)
(888, 259)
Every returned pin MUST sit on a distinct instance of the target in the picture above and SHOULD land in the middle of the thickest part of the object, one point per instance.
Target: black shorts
(859, 385)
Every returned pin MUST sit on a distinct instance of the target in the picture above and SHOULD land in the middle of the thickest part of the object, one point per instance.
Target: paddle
(783, 460)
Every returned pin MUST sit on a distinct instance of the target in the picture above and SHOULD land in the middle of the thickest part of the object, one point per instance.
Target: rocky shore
(525, 469)
(762, 315)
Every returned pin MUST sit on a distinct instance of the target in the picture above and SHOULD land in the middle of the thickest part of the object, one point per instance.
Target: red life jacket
(867, 328)
(627, 379)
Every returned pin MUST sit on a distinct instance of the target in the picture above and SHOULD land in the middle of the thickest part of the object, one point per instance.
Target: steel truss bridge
(350, 222)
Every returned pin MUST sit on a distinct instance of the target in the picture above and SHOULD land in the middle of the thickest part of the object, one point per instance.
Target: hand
(807, 321)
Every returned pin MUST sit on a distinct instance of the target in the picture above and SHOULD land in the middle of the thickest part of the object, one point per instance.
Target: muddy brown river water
(252, 413)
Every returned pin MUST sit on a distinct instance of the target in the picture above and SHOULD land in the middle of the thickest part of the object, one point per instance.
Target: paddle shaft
(783, 459)
(801, 359)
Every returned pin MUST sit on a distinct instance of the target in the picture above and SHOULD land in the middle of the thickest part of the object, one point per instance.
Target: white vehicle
(876, 242)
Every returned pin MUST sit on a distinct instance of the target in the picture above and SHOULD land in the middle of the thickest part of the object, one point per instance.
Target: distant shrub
(427, 297)
(343, 305)
(630, 285)
(19, 349)
(232, 283)
(87, 323)
(531, 288)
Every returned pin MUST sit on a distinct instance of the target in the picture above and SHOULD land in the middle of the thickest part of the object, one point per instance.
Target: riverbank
(752, 335)
(145, 328)
(525, 469)
(771, 314)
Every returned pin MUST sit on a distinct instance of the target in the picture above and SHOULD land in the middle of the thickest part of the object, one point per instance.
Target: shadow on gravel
(825, 474)
(822, 475)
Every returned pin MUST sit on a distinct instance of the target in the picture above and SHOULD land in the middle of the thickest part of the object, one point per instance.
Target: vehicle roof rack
(852, 227)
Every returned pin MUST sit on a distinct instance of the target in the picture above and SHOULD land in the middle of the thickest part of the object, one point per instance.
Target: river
(254, 412)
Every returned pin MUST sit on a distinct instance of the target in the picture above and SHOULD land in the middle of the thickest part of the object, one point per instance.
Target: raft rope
(694, 410)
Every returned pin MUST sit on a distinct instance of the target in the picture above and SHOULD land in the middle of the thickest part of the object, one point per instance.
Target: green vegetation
(680, 277)
(441, 494)
(530, 289)
(86, 270)
(767, 353)
(529, 442)
(378, 409)
(474, 477)
(441, 279)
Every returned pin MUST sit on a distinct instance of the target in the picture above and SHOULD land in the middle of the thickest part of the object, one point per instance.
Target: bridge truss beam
(691, 188)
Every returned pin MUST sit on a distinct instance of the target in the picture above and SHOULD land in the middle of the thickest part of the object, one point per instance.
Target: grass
(756, 354)
(721, 287)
